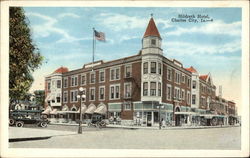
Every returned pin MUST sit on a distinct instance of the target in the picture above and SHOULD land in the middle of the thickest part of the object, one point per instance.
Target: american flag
(100, 36)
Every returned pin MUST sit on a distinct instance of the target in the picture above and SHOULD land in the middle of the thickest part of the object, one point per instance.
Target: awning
(185, 113)
(54, 112)
(90, 109)
(84, 108)
(67, 112)
(65, 108)
(101, 110)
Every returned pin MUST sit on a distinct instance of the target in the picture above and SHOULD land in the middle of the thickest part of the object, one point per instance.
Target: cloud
(217, 27)
(72, 15)
(48, 27)
(119, 22)
(186, 48)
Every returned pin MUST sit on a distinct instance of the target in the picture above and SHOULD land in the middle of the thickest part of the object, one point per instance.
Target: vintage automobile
(97, 120)
(21, 117)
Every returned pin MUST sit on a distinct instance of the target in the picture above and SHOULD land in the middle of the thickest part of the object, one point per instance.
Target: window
(177, 93)
(101, 93)
(193, 98)
(177, 77)
(73, 95)
(65, 82)
(74, 81)
(152, 88)
(183, 78)
(145, 68)
(127, 89)
(159, 68)
(83, 79)
(127, 106)
(112, 74)
(114, 91)
(92, 78)
(169, 74)
(58, 99)
(58, 83)
(145, 88)
(101, 76)
(153, 67)
(92, 94)
(183, 94)
(128, 71)
(159, 89)
(194, 84)
(169, 92)
(65, 96)
(188, 98)
(48, 85)
(189, 82)
(115, 73)
(153, 42)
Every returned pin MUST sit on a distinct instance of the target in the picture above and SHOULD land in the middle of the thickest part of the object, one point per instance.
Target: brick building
(141, 89)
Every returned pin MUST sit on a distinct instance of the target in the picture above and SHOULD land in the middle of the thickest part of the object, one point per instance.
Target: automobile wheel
(19, 123)
(11, 122)
(43, 124)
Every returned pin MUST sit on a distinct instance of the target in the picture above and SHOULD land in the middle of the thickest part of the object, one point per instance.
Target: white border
(11, 152)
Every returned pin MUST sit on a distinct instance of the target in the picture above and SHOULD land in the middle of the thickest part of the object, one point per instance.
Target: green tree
(24, 56)
(39, 98)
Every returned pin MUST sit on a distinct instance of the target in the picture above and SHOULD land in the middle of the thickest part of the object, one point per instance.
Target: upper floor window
(183, 78)
(101, 93)
(189, 82)
(114, 91)
(65, 82)
(115, 73)
(128, 71)
(177, 77)
(73, 95)
(127, 90)
(101, 76)
(152, 88)
(188, 98)
(194, 84)
(145, 68)
(83, 79)
(65, 96)
(169, 74)
(92, 94)
(169, 92)
(145, 88)
(58, 83)
(153, 42)
(74, 81)
(49, 85)
(153, 67)
(159, 68)
(92, 78)
(159, 89)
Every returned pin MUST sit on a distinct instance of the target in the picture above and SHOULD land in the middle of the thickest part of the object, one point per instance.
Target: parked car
(21, 117)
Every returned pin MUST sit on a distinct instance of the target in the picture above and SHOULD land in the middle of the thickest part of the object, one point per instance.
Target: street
(116, 138)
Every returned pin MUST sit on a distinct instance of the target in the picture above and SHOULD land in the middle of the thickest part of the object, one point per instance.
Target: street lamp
(80, 96)
(160, 107)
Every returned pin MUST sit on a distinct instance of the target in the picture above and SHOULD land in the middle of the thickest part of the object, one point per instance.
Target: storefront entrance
(149, 118)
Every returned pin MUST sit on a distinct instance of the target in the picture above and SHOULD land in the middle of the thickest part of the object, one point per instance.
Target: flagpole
(93, 55)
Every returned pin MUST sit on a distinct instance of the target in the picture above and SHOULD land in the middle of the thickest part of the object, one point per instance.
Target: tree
(24, 56)
(39, 98)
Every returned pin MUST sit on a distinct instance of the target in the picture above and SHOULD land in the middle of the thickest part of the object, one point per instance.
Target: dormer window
(153, 42)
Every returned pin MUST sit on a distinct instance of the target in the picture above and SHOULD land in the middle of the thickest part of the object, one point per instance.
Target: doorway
(149, 119)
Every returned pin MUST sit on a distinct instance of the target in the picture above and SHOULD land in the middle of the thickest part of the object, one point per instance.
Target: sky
(64, 37)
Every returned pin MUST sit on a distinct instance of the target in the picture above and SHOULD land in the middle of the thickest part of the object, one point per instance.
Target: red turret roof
(191, 69)
(152, 29)
(204, 77)
(61, 70)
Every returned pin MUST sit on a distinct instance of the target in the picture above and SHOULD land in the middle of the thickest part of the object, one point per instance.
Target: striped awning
(90, 109)
(101, 110)
(84, 108)
(47, 110)
(53, 112)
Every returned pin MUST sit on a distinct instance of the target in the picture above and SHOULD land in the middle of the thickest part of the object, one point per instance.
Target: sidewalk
(153, 127)
(23, 134)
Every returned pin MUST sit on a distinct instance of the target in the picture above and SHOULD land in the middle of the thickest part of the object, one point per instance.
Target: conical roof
(191, 69)
(152, 29)
(61, 70)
